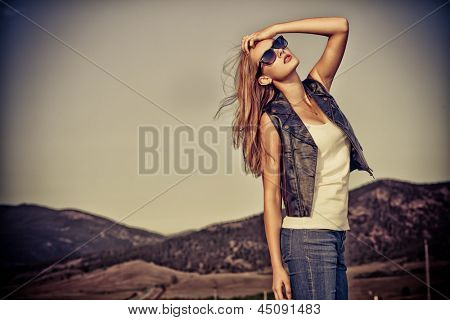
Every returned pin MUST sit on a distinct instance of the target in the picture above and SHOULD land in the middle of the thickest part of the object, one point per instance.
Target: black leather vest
(299, 152)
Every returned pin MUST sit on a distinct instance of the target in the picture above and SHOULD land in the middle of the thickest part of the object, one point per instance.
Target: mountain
(35, 235)
(393, 218)
(388, 218)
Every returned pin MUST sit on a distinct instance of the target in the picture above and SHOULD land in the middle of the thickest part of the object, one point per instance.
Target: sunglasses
(270, 55)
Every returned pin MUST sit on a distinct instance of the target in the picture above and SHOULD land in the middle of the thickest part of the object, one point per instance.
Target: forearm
(325, 26)
(272, 222)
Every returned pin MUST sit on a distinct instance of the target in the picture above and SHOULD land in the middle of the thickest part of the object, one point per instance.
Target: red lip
(286, 57)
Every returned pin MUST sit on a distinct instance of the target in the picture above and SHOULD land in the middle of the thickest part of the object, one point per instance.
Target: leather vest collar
(290, 120)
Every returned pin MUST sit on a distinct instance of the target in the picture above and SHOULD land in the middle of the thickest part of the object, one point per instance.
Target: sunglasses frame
(279, 43)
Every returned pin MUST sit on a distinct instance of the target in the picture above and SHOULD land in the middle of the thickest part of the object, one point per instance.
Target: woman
(294, 134)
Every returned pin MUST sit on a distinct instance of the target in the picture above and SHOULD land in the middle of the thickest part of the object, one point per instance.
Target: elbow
(344, 25)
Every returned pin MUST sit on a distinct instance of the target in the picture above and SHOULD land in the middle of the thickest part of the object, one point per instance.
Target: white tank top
(330, 201)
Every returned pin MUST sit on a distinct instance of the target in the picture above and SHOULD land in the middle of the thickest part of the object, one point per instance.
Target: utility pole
(215, 287)
(427, 270)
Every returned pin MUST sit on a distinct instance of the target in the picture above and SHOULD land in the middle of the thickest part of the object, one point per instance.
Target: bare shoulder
(267, 128)
(316, 76)
(265, 123)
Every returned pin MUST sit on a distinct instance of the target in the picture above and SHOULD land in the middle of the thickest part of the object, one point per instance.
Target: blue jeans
(315, 260)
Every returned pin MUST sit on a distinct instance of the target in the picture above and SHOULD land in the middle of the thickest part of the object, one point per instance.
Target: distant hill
(32, 235)
(392, 217)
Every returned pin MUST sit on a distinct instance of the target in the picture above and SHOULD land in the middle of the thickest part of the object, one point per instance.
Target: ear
(264, 80)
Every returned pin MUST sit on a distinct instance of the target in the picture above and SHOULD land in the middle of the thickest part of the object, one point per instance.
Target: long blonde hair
(251, 98)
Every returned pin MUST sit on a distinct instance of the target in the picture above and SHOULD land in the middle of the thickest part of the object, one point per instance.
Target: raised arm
(336, 29)
(270, 141)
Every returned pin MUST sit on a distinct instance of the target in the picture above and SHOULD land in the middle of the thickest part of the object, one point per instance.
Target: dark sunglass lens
(280, 43)
(268, 57)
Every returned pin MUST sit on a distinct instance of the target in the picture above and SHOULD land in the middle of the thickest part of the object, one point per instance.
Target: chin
(293, 63)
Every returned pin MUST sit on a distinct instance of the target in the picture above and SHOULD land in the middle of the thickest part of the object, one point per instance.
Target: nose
(280, 52)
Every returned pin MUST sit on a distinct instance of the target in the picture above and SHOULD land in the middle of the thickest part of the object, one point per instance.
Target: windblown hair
(251, 97)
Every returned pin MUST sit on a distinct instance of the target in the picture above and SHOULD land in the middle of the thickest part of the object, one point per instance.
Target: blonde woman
(296, 137)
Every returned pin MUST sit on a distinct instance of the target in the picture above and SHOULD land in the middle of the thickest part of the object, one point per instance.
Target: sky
(82, 79)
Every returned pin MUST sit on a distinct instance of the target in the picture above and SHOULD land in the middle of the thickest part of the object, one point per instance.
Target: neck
(292, 88)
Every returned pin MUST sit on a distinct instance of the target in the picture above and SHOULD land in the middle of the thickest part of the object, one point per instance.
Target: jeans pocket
(285, 243)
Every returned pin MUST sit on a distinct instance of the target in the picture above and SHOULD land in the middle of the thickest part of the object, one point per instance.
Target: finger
(247, 44)
(252, 43)
(275, 293)
(280, 294)
(288, 291)
(242, 43)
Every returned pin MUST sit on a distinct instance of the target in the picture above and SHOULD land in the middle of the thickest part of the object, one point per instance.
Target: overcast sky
(82, 76)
